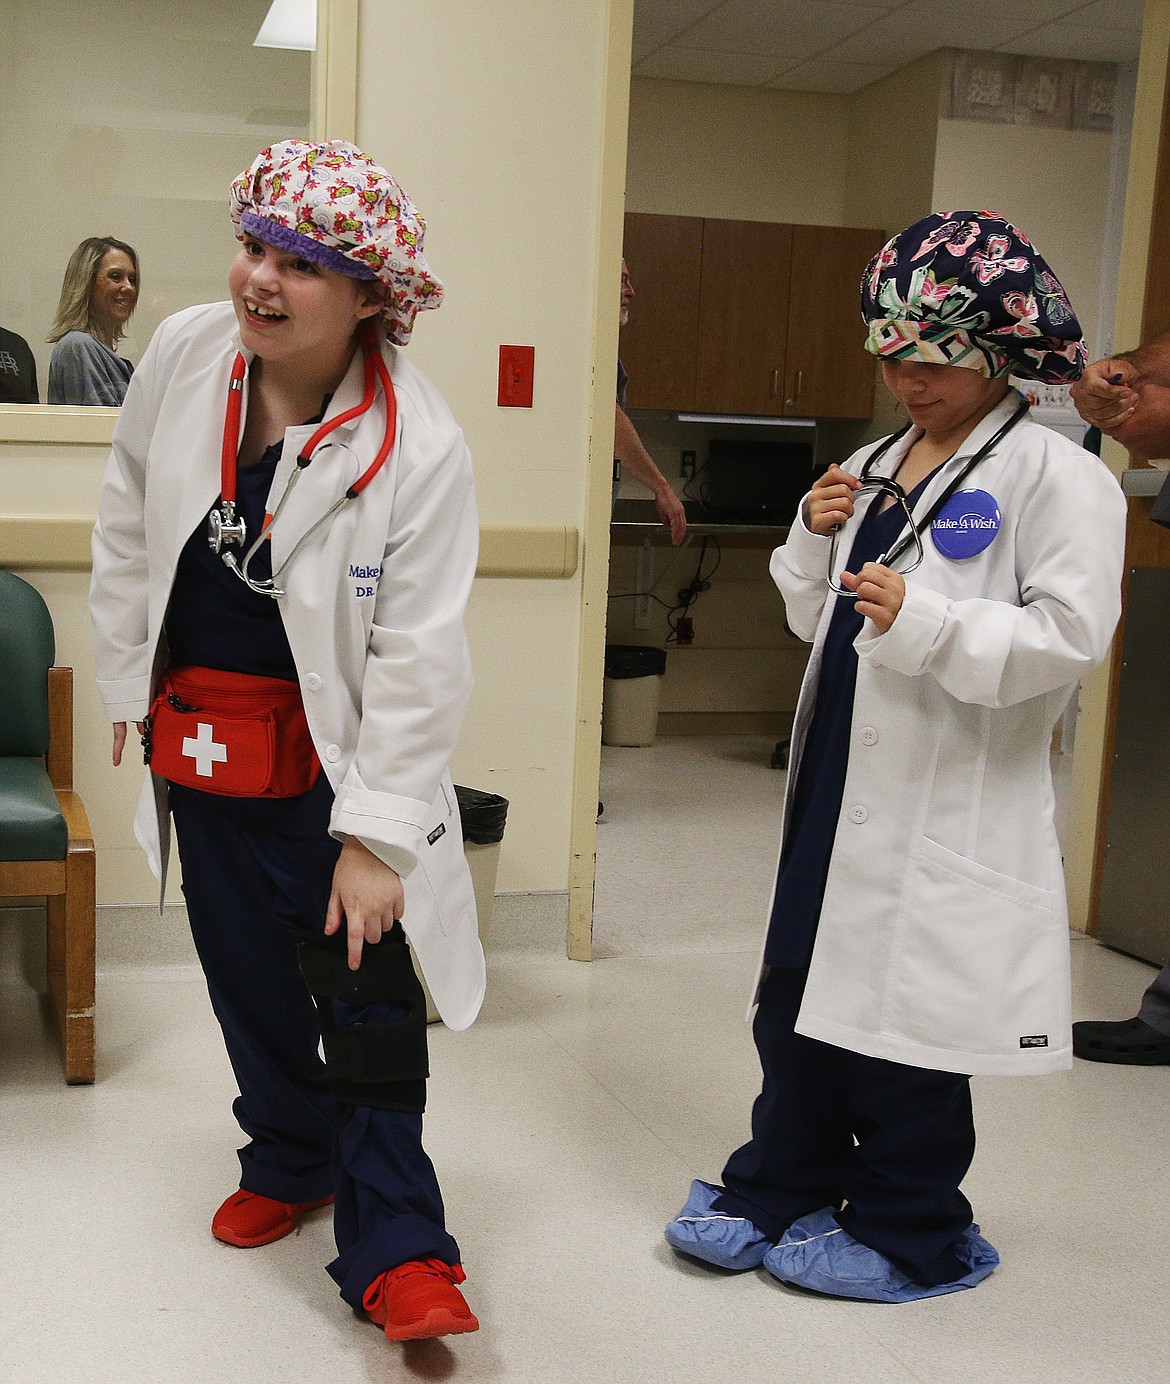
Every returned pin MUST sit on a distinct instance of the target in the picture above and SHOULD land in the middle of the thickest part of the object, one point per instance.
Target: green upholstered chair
(46, 847)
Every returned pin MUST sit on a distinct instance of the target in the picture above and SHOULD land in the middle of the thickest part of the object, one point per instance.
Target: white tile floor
(567, 1125)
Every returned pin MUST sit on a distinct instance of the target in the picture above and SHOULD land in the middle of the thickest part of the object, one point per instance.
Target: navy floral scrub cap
(967, 288)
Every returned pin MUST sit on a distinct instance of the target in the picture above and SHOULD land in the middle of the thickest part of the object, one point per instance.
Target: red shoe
(247, 1219)
(418, 1300)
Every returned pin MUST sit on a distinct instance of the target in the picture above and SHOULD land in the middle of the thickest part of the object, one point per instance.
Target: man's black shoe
(1130, 1041)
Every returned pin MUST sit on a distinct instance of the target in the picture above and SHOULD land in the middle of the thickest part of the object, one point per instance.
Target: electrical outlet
(687, 465)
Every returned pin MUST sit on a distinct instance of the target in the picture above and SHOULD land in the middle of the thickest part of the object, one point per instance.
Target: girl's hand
(830, 502)
(880, 592)
(120, 739)
(367, 894)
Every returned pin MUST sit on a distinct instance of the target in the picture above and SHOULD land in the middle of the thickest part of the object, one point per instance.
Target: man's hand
(628, 449)
(1107, 393)
(367, 894)
(880, 592)
(830, 502)
(672, 513)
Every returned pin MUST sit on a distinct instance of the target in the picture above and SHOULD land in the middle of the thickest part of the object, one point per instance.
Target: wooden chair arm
(76, 820)
(59, 760)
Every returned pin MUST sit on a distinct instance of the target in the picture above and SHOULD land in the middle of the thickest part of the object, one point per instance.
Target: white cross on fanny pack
(204, 749)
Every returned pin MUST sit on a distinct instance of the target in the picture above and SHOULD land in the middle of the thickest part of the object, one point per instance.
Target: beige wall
(892, 135)
(1049, 183)
(739, 152)
(502, 149)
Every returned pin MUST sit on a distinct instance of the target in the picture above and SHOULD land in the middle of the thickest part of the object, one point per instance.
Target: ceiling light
(289, 24)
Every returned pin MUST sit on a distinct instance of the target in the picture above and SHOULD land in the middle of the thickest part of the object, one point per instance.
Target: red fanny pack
(232, 733)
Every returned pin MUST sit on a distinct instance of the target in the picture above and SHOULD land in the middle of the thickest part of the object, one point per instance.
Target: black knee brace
(380, 1064)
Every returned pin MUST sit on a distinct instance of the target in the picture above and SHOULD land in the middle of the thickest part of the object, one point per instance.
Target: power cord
(682, 630)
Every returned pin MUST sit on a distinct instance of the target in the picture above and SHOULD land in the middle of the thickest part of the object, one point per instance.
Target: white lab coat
(943, 937)
(373, 610)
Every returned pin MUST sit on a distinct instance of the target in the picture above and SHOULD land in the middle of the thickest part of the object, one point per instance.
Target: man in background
(627, 445)
(18, 370)
(1128, 398)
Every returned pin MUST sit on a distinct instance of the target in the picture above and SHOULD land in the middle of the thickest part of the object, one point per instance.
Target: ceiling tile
(987, 16)
(1111, 14)
(832, 76)
(657, 22)
(988, 24)
(791, 28)
(1078, 41)
(702, 65)
(893, 39)
(748, 42)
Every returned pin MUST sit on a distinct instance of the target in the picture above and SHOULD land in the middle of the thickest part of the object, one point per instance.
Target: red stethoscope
(225, 528)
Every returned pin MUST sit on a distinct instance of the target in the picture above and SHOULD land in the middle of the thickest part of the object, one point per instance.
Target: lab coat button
(858, 814)
(332, 753)
(869, 736)
(312, 682)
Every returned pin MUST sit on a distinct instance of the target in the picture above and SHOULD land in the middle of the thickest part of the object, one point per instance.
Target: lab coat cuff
(391, 827)
(807, 552)
(125, 699)
(906, 645)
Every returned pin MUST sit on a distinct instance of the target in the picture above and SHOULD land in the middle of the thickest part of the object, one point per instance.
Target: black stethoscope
(225, 528)
(886, 485)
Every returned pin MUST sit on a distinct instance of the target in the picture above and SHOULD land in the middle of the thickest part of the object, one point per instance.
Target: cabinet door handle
(775, 383)
(799, 382)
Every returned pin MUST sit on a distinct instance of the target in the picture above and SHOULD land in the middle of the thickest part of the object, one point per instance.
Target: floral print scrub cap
(967, 288)
(334, 206)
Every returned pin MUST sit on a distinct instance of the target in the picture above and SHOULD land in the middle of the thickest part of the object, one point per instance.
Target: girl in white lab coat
(956, 581)
(286, 542)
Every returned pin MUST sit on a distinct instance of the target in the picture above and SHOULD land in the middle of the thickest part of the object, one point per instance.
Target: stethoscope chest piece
(224, 527)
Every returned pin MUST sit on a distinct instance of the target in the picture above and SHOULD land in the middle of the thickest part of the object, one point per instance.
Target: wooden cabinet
(828, 372)
(660, 343)
(748, 317)
(743, 317)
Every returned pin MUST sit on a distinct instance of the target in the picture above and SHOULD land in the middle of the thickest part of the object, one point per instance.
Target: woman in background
(98, 298)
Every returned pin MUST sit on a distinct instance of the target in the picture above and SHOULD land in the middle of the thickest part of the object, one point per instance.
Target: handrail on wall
(60, 543)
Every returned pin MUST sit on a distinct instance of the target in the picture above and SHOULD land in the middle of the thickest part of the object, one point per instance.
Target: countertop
(641, 515)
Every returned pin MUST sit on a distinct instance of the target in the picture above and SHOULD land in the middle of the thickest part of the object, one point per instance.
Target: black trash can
(629, 708)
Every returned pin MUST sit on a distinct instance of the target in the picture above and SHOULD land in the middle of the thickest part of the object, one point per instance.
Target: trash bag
(483, 815)
(634, 661)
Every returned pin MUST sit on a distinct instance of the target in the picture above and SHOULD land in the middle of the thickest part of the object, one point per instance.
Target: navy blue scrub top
(820, 783)
(215, 621)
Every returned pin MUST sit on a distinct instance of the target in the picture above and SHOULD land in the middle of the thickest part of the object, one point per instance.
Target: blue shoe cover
(816, 1253)
(731, 1242)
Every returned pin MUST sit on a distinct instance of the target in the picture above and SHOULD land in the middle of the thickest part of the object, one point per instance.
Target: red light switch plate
(517, 364)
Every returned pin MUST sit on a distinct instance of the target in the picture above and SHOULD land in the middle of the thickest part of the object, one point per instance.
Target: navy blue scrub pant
(886, 1144)
(257, 876)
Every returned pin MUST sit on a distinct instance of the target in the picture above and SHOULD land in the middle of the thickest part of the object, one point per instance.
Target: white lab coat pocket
(975, 964)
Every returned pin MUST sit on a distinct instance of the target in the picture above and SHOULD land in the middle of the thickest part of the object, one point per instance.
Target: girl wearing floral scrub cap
(286, 542)
(956, 580)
